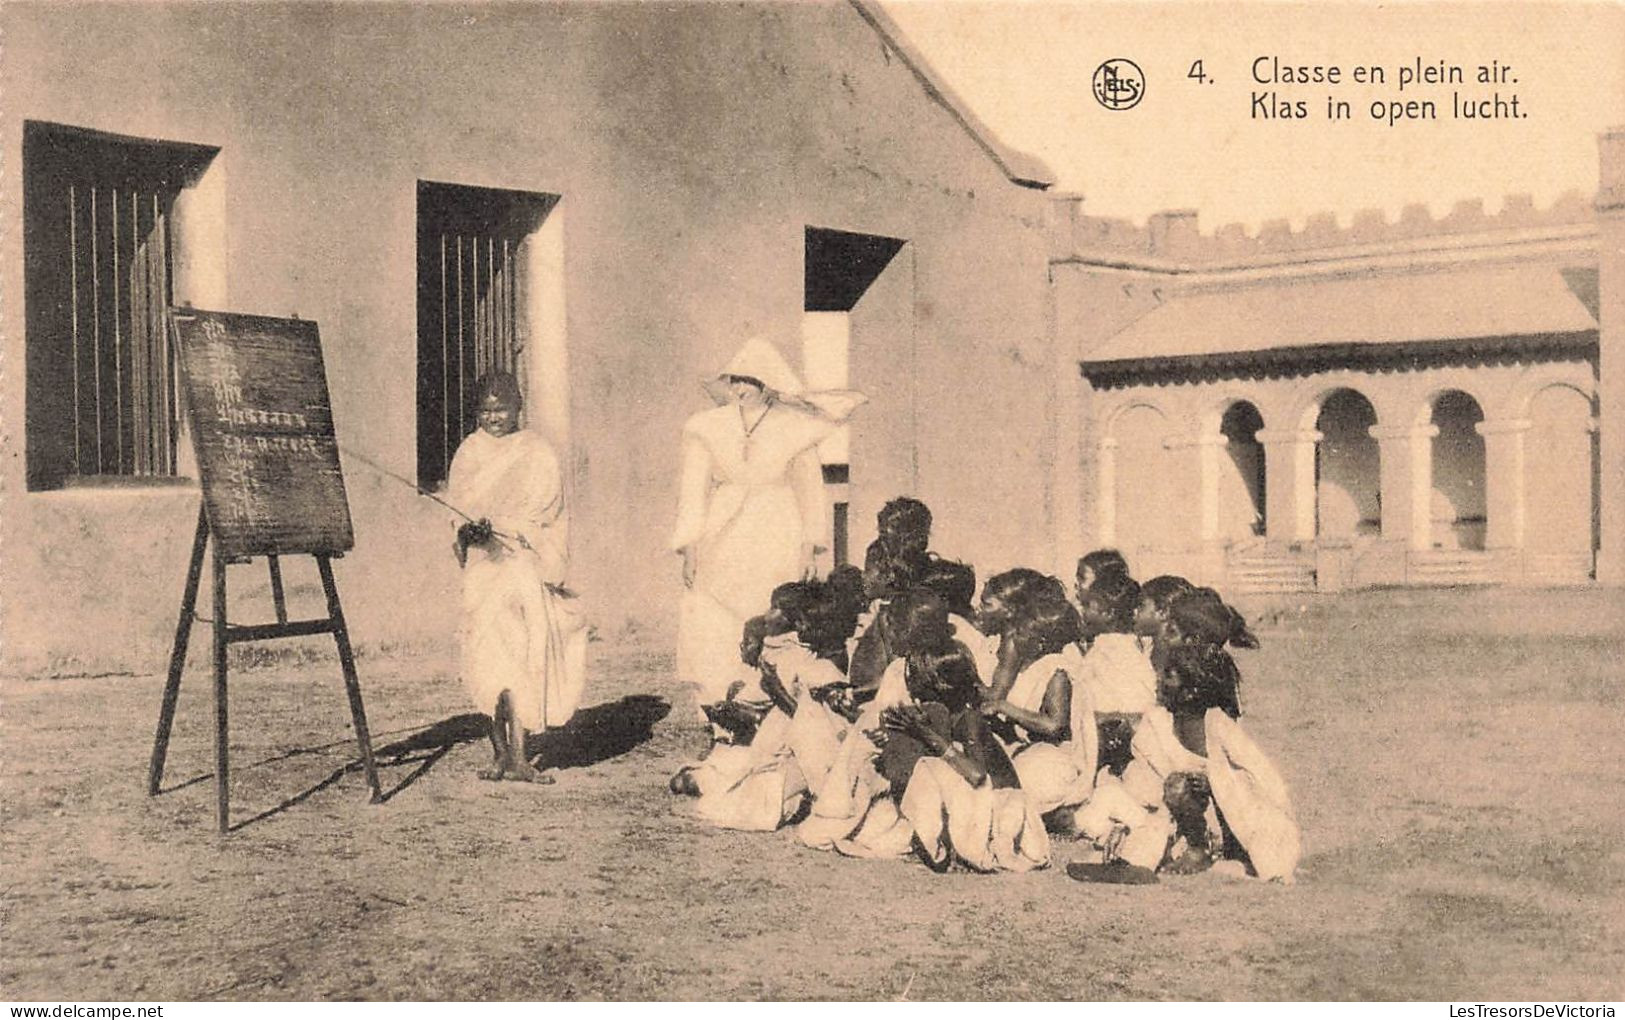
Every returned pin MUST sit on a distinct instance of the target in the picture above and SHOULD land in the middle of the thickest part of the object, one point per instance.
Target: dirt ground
(1454, 755)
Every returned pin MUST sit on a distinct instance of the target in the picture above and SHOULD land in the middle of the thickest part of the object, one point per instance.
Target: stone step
(1294, 577)
(1257, 575)
(1557, 568)
(1451, 568)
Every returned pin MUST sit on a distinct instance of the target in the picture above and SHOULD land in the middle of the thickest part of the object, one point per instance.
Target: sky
(1024, 67)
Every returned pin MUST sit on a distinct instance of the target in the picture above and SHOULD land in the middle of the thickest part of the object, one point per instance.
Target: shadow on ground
(599, 733)
(592, 736)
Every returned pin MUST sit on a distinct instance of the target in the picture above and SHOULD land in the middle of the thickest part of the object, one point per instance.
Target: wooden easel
(226, 634)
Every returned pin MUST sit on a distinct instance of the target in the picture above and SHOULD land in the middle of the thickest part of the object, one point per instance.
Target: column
(1611, 353)
(1405, 460)
(1289, 483)
(1503, 482)
(1208, 565)
(1106, 492)
(1209, 451)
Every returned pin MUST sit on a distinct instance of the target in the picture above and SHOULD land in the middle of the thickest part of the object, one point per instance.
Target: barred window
(102, 401)
(101, 397)
(471, 301)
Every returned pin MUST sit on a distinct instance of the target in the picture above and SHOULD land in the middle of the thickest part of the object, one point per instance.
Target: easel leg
(177, 657)
(222, 778)
(352, 684)
(277, 597)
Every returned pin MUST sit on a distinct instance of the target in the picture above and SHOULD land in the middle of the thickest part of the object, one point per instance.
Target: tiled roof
(1484, 309)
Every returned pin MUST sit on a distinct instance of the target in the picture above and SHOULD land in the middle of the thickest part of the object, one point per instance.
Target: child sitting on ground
(952, 781)
(735, 718)
(1197, 675)
(1156, 597)
(898, 554)
(762, 782)
(1008, 597)
(1117, 674)
(955, 584)
(1191, 752)
(1046, 720)
(1100, 563)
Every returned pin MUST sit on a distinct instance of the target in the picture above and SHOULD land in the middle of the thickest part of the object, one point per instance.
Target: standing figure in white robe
(524, 643)
(751, 508)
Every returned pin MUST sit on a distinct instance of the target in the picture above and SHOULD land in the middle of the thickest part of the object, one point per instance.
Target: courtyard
(1454, 756)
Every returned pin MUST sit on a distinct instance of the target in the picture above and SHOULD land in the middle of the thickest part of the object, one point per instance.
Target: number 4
(1196, 72)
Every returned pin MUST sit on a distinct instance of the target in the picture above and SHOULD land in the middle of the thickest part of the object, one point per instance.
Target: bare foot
(683, 784)
(521, 773)
(524, 772)
(492, 772)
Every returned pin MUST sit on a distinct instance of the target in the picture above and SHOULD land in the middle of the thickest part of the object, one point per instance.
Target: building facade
(1418, 402)
(610, 198)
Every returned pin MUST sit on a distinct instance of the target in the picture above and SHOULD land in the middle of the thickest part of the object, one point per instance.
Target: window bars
(103, 402)
(471, 306)
(121, 367)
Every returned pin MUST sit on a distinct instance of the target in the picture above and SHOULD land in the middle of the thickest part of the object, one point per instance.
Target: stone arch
(1561, 514)
(1115, 413)
(1386, 397)
(1209, 417)
(1142, 480)
(1348, 475)
(1464, 382)
(1538, 378)
(1458, 508)
(1241, 486)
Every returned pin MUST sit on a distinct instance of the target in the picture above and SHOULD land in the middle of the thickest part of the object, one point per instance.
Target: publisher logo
(1119, 84)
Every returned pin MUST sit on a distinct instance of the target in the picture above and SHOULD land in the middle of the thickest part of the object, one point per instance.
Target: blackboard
(262, 426)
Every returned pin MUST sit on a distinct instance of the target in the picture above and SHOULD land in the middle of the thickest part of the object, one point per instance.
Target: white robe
(984, 828)
(747, 504)
(518, 634)
(1245, 785)
(989, 829)
(854, 814)
(1118, 675)
(852, 810)
(1056, 775)
(1134, 802)
(1253, 797)
(762, 785)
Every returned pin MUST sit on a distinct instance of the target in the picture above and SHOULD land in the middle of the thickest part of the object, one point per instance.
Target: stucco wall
(690, 146)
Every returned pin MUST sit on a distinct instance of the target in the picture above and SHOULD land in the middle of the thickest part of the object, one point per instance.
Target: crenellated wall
(1175, 236)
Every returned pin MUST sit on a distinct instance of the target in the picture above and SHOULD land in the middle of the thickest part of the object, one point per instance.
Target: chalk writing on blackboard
(262, 425)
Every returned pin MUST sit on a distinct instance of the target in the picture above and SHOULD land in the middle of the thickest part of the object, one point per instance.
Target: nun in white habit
(751, 510)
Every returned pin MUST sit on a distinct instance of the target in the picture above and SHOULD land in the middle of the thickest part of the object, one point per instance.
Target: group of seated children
(891, 717)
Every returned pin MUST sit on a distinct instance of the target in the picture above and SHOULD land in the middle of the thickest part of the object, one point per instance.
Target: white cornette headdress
(760, 360)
